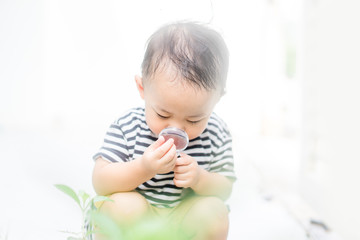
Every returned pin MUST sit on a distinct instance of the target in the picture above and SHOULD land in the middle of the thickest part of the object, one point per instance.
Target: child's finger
(180, 161)
(183, 160)
(165, 147)
(170, 156)
(180, 169)
(180, 182)
(157, 143)
(170, 165)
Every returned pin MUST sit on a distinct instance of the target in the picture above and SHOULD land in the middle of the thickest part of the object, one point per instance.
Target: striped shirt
(129, 136)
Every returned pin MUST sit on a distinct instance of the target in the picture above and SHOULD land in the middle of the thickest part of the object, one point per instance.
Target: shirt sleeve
(114, 148)
(222, 155)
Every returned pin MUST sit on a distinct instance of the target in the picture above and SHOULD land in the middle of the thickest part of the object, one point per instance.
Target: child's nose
(177, 125)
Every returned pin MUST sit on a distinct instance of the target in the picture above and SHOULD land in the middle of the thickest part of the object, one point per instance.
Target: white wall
(331, 160)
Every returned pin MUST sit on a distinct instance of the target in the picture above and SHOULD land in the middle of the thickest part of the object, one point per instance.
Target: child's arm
(189, 174)
(213, 184)
(109, 177)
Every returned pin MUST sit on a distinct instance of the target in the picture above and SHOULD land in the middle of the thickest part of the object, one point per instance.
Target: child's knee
(218, 213)
(208, 216)
(207, 210)
(208, 219)
(126, 207)
(212, 208)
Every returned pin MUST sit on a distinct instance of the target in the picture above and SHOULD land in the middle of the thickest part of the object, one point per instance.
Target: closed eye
(194, 122)
(161, 116)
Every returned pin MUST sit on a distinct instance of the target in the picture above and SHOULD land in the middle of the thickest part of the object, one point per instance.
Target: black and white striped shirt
(129, 136)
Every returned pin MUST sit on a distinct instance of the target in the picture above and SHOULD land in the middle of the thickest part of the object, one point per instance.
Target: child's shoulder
(218, 126)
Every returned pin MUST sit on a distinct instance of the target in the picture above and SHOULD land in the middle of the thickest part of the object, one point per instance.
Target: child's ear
(139, 85)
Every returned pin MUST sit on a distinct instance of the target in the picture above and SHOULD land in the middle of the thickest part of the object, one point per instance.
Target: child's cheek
(195, 131)
(153, 123)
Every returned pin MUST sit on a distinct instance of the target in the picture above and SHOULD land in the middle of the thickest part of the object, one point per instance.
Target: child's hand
(160, 157)
(186, 171)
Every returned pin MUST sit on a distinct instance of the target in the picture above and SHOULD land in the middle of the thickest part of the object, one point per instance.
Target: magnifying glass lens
(181, 139)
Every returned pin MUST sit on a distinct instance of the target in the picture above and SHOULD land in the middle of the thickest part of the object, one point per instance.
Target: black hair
(198, 53)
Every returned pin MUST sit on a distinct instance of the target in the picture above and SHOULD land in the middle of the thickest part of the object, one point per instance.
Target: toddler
(184, 73)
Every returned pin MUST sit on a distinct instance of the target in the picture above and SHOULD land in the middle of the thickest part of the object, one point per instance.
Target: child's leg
(126, 209)
(207, 219)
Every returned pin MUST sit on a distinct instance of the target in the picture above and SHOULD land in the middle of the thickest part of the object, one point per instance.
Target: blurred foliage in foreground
(153, 229)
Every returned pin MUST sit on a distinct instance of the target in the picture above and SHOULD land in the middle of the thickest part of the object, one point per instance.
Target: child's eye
(161, 116)
(194, 122)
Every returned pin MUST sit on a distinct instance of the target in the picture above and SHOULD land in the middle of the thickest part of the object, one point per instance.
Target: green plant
(146, 229)
(89, 215)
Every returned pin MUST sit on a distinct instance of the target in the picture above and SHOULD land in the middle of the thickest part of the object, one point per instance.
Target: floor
(33, 161)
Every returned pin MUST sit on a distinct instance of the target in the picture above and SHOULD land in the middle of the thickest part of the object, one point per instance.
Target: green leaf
(67, 190)
(106, 226)
(101, 198)
(89, 232)
(98, 199)
(84, 196)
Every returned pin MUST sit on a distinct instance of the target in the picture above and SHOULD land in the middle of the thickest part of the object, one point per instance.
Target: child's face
(173, 103)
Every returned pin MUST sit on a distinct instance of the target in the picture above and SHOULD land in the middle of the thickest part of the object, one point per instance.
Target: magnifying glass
(181, 139)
